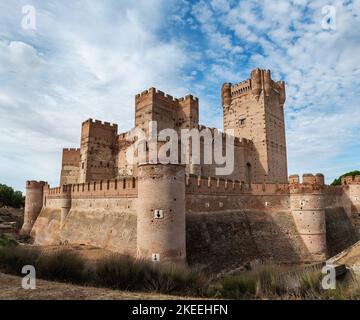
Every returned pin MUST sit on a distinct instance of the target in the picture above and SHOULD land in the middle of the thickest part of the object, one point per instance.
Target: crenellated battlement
(99, 123)
(33, 184)
(115, 187)
(212, 185)
(350, 180)
(310, 183)
(71, 149)
(164, 96)
(189, 97)
(240, 88)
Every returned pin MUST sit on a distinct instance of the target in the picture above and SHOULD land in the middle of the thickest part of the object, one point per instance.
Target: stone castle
(177, 213)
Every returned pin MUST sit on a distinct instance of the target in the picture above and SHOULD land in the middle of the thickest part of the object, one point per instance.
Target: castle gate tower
(33, 205)
(254, 108)
(308, 210)
(161, 213)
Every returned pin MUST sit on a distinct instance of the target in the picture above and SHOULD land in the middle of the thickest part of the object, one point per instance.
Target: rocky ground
(11, 220)
(10, 289)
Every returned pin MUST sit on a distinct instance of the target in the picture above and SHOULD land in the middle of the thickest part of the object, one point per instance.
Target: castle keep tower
(161, 213)
(98, 151)
(254, 108)
(308, 210)
(33, 205)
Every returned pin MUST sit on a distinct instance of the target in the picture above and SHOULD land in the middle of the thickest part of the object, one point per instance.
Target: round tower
(256, 82)
(308, 210)
(33, 205)
(65, 203)
(161, 229)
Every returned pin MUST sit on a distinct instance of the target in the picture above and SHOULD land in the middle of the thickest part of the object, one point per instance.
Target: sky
(88, 59)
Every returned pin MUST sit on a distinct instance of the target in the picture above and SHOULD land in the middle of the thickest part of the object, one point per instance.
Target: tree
(337, 182)
(11, 198)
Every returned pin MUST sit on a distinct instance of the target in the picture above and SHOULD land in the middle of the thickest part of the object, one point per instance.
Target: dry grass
(125, 273)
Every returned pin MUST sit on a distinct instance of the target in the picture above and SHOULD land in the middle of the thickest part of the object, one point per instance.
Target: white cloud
(86, 59)
(321, 69)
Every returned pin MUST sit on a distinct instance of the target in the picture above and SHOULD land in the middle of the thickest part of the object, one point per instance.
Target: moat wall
(227, 223)
(101, 214)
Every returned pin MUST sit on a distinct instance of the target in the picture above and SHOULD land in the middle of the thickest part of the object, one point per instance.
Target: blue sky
(89, 58)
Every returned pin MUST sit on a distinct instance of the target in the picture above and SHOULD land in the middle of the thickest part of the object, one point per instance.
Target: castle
(186, 212)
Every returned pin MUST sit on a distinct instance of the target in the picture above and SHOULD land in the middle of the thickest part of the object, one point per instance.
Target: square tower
(98, 151)
(254, 108)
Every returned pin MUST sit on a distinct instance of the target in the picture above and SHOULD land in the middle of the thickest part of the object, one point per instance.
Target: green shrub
(5, 241)
(309, 283)
(238, 287)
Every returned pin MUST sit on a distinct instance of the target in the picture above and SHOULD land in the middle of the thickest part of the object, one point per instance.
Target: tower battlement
(33, 184)
(309, 183)
(100, 124)
(350, 180)
(158, 93)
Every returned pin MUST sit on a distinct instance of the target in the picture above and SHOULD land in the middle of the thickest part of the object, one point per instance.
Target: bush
(62, 266)
(126, 273)
(13, 258)
(261, 281)
(237, 287)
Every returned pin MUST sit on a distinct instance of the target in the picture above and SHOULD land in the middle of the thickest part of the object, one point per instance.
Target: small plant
(238, 287)
(5, 241)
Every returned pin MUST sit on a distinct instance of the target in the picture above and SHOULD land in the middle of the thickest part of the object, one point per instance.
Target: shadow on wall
(340, 233)
(228, 240)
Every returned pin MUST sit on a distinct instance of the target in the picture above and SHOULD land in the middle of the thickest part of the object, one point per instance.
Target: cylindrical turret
(65, 203)
(294, 178)
(226, 95)
(320, 179)
(161, 229)
(308, 210)
(256, 82)
(33, 205)
(308, 178)
(267, 82)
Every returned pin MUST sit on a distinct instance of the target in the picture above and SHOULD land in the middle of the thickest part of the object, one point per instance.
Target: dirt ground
(10, 289)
